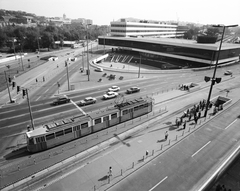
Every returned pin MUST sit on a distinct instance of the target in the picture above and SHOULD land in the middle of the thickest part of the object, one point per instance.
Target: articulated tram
(58, 132)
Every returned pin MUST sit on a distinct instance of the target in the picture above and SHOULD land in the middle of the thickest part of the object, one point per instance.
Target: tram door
(131, 113)
(105, 121)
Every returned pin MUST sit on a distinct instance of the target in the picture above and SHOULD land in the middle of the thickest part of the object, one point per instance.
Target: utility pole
(8, 87)
(83, 60)
(66, 64)
(215, 68)
(29, 107)
(87, 56)
(139, 66)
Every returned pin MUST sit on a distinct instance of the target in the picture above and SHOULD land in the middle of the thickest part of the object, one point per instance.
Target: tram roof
(177, 42)
(54, 125)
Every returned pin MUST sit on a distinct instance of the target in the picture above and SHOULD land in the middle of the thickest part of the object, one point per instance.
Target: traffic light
(18, 89)
(13, 84)
(206, 78)
(66, 63)
(218, 80)
(9, 79)
(24, 92)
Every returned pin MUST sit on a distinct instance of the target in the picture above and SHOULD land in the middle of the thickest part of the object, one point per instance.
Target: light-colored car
(87, 101)
(110, 95)
(114, 89)
(99, 69)
(228, 72)
(133, 90)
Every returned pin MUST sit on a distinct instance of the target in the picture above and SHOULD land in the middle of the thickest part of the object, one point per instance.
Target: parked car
(98, 69)
(61, 100)
(228, 72)
(110, 95)
(87, 101)
(132, 90)
(114, 89)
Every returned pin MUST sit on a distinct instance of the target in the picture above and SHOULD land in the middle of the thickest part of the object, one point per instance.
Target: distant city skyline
(105, 11)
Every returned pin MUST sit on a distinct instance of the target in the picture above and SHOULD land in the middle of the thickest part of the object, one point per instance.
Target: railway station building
(166, 53)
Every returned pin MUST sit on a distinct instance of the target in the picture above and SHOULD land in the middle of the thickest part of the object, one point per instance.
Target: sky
(102, 12)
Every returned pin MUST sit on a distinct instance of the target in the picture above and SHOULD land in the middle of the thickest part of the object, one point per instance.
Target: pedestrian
(199, 114)
(110, 171)
(43, 79)
(187, 111)
(36, 80)
(57, 65)
(28, 128)
(181, 120)
(166, 135)
(184, 124)
(190, 116)
(196, 119)
(146, 153)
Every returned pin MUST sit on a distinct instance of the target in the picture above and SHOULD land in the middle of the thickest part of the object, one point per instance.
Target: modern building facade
(178, 52)
(142, 28)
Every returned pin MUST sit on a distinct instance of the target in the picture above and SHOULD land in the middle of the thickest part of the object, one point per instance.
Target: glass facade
(172, 50)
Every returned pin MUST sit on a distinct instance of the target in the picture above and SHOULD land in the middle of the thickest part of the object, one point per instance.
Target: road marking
(201, 148)
(158, 183)
(231, 123)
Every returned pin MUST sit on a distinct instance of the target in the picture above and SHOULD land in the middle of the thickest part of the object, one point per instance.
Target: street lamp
(38, 43)
(215, 68)
(88, 72)
(139, 66)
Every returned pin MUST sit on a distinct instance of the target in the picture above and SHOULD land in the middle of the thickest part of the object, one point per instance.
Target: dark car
(61, 100)
(87, 101)
(133, 90)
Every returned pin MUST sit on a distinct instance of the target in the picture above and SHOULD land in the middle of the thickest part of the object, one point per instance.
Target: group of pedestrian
(222, 188)
(184, 87)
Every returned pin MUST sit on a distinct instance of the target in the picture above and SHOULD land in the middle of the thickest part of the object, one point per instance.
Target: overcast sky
(102, 12)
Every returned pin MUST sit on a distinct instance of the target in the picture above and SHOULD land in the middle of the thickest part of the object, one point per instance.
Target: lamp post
(66, 65)
(14, 49)
(88, 72)
(29, 107)
(215, 68)
(38, 44)
(139, 66)
(8, 87)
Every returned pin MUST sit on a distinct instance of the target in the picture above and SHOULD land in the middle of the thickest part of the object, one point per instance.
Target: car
(110, 95)
(99, 69)
(87, 101)
(132, 90)
(228, 72)
(114, 89)
(61, 100)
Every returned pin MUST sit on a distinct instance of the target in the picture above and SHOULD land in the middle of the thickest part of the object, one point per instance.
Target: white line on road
(158, 183)
(231, 123)
(201, 148)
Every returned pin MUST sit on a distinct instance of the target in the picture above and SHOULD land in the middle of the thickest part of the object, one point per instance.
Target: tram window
(40, 139)
(50, 136)
(84, 125)
(114, 116)
(136, 108)
(30, 141)
(98, 121)
(125, 112)
(76, 128)
(106, 118)
(59, 133)
(68, 130)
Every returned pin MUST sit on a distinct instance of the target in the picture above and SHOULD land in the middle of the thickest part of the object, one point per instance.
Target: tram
(59, 132)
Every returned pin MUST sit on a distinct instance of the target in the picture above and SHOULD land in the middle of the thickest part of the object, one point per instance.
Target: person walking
(36, 80)
(184, 124)
(43, 79)
(166, 135)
